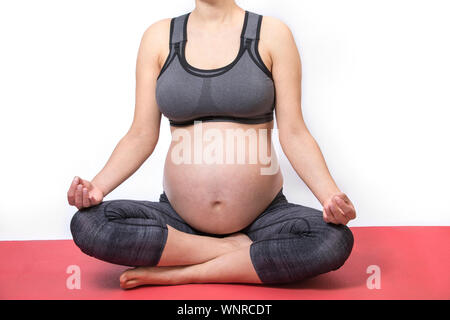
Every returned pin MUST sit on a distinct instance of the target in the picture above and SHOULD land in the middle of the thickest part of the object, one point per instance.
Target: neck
(215, 11)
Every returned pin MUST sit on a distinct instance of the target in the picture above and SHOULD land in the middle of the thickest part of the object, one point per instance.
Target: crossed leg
(153, 237)
(231, 265)
(286, 243)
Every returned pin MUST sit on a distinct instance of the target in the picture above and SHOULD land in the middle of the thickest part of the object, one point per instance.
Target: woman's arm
(140, 140)
(296, 141)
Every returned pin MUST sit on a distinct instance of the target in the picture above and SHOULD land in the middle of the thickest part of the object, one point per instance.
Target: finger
(79, 196)
(71, 192)
(86, 202)
(344, 197)
(330, 216)
(348, 209)
(94, 200)
(344, 206)
(325, 216)
(87, 184)
(338, 214)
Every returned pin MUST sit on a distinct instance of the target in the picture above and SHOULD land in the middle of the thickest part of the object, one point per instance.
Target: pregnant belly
(217, 196)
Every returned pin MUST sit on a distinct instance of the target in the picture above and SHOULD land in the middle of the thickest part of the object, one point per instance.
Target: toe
(130, 284)
(127, 275)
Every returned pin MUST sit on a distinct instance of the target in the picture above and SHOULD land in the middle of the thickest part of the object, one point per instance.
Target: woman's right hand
(83, 193)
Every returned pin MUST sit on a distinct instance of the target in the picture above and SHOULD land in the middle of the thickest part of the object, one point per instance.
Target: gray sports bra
(242, 91)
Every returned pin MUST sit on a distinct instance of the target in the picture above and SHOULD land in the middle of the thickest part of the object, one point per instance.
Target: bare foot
(152, 275)
(172, 275)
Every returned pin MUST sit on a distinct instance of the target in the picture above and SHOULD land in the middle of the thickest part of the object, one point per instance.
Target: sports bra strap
(252, 26)
(178, 32)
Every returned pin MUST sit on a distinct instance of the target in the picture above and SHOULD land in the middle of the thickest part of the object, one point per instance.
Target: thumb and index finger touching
(87, 184)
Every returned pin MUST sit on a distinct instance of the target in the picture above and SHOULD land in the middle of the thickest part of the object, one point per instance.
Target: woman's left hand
(338, 209)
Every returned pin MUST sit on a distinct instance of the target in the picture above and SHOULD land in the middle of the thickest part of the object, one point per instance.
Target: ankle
(230, 244)
(237, 241)
(189, 274)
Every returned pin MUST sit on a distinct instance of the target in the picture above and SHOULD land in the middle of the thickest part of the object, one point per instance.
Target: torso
(219, 197)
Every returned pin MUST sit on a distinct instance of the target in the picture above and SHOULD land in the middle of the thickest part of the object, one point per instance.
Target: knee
(131, 211)
(116, 232)
(332, 243)
(77, 225)
(329, 246)
(339, 243)
(84, 225)
(119, 209)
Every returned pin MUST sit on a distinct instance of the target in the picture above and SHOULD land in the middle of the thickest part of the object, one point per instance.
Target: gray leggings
(290, 241)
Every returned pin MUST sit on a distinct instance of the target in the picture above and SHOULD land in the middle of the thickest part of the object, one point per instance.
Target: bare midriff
(215, 185)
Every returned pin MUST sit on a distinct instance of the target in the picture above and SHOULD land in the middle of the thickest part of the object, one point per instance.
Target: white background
(375, 96)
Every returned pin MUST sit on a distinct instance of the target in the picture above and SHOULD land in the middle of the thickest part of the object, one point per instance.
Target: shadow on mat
(352, 274)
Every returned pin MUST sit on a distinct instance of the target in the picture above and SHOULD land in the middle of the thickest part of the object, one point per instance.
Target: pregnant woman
(218, 73)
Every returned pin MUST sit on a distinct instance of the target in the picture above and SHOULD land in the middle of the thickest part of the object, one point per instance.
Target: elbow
(290, 134)
(147, 137)
(295, 139)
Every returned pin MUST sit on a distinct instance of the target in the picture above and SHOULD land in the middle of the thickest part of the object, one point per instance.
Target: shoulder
(155, 40)
(275, 31)
(157, 31)
(278, 39)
